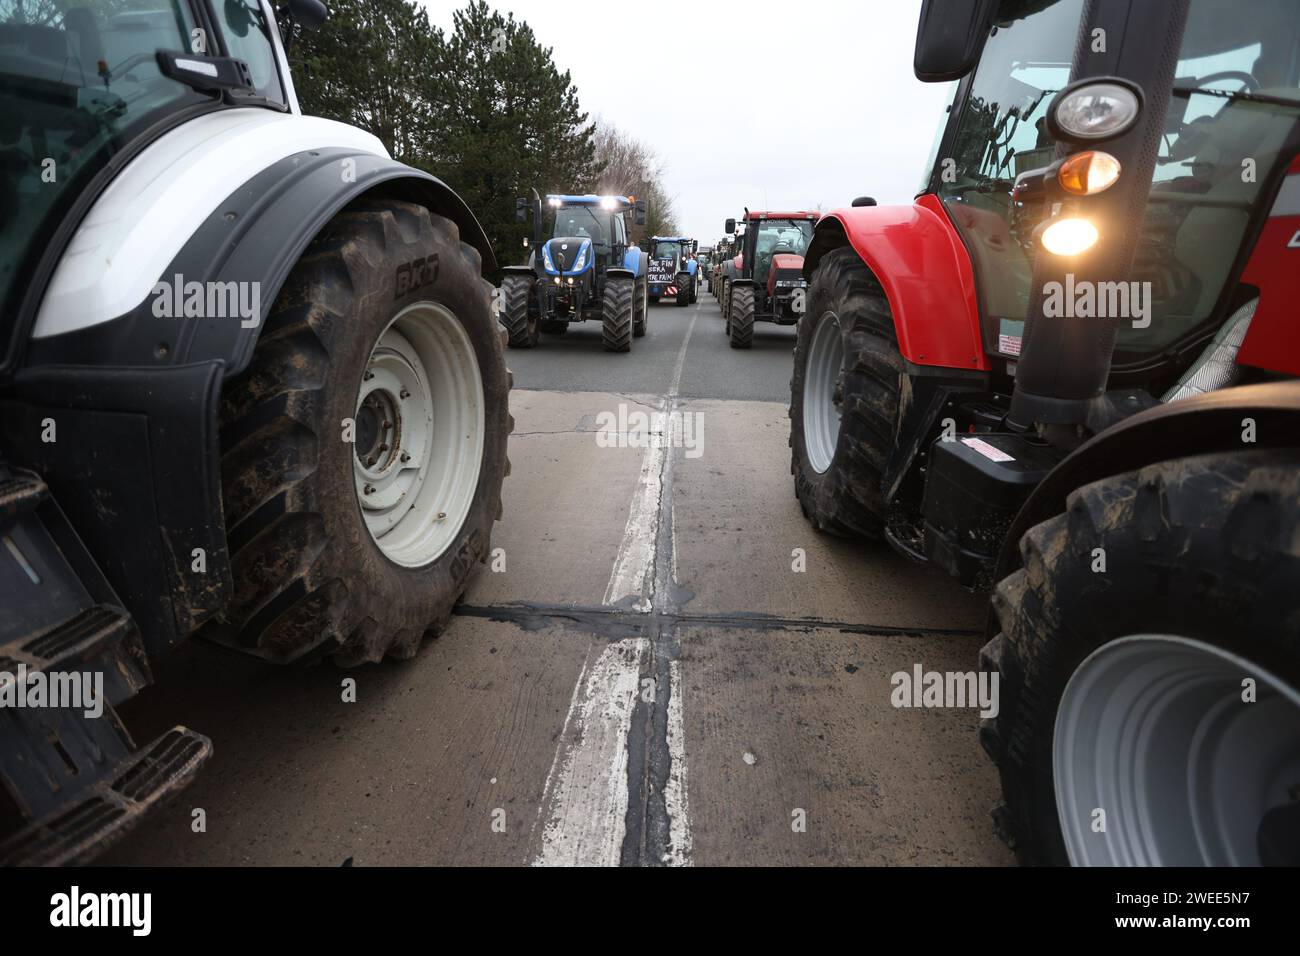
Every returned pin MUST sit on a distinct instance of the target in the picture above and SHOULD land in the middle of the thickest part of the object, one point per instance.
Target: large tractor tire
(364, 448)
(695, 288)
(724, 300)
(844, 398)
(683, 289)
(616, 314)
(640, 318)
(1149, 670)
(740, 317)
(520, 322)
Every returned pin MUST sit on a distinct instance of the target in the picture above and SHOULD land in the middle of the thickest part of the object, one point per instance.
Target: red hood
(781, 261)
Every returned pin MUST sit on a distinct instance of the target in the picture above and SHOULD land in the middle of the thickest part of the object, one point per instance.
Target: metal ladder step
(20, 492)
(72, 642)
(137, 784)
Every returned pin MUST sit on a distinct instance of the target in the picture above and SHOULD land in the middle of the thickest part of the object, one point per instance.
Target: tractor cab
(1168, 178)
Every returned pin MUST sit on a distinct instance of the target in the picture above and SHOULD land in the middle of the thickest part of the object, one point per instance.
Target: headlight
(1069, 237)
(557, 203)
(1096, 110)
(609, 203)
(582, 260)
(546, 258)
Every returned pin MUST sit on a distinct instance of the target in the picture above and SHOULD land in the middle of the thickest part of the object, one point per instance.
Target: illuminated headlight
(1094, 111)
(557, 203)
(1069, 237)
(609, 203)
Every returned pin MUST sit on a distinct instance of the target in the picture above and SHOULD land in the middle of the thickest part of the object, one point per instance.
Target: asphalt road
(672, 667)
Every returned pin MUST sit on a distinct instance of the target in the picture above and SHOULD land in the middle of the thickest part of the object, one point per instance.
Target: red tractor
(764, 281)
(1067, 372)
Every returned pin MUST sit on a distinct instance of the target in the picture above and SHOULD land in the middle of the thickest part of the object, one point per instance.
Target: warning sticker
(1009, 344)
(987, 450)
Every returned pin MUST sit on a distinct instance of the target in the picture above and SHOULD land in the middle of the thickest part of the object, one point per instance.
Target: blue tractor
(673, 269)
(580, 266)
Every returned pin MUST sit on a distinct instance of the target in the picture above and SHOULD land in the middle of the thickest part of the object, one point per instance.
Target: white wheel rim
(1153, 730)
(419, 434)
(821, 398)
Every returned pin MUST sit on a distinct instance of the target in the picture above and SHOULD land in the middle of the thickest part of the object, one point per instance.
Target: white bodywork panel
(150, 210)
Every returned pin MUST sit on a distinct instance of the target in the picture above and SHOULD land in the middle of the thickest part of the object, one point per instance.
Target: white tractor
(252, 387)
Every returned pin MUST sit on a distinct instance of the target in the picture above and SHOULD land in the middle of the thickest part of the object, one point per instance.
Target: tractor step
(137, 783)
(71, 777)
(20, 492)
(77, 640)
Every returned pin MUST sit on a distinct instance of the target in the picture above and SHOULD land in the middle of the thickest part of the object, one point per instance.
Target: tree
(512, 122)
(484, 109)
(630, 167)
(374, 64)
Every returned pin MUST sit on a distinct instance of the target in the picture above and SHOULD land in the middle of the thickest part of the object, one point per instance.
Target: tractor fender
(921, 263)
(739, 281)
(527, 270)
(692, 266)
(1203, 425)
(621, 274)
(253, 239)
(634, 261)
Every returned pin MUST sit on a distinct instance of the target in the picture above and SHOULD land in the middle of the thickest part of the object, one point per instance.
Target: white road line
(634, 564)
(584, 802)
(675, 790)
(586, 790)
(633, 571)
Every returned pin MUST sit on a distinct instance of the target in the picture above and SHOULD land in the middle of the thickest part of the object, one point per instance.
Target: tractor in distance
(765, 281)
(1068, 371)
(580, 266)
(251, 387)
(673, 269)
(723, 251)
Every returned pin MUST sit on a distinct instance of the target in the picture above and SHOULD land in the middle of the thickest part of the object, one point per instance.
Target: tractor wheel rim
(419, 434)
(821, 406)
(1154, 741)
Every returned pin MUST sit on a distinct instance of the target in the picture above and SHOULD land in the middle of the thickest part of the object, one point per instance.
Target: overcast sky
(821, 104)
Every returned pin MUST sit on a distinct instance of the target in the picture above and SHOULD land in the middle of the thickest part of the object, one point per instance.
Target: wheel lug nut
(405, 393)
(442, 515)
(368, 376)
(406, 456)
(369, 489)
(387, 425)
(370, 462)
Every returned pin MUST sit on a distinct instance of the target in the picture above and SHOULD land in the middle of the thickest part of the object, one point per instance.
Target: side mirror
(309, 14)
(730, 227)
(695, 246)
(639, 212)
(863, 201)
(950, 38)
(521, 210)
